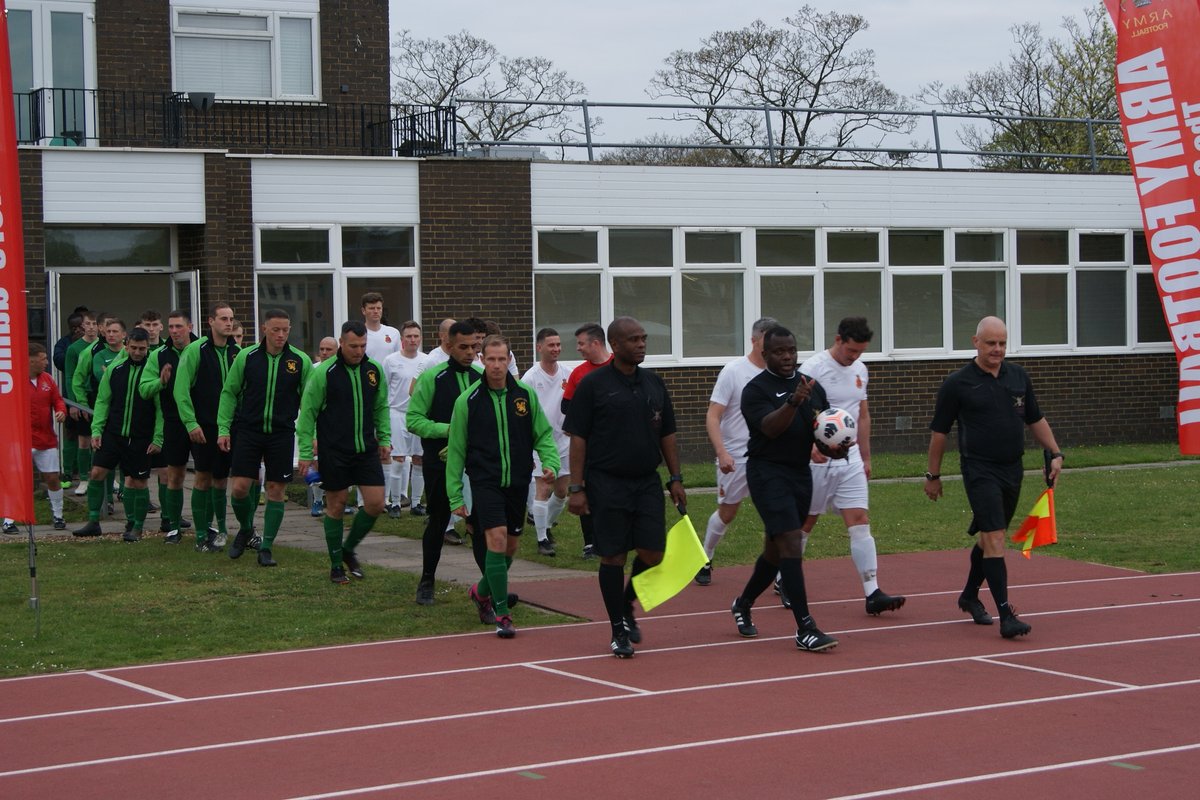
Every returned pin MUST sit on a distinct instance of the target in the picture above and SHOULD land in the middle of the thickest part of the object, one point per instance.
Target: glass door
(185, 294)
(53, 54)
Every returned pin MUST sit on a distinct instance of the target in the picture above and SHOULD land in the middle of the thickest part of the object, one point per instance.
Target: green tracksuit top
(89, 369)
(262, 391)
(152, 385)
(345, 407)
(432, 405)
(70, 363)
(493, 434)
(120, 408)
(199, 379)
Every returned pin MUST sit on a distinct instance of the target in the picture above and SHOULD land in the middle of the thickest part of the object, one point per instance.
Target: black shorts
(493, 506)
(627, 513)
(343, 470)
(128, 454)
(250, 448)
(993, 491)
(77, 427)
(781, 494)
(177, 447)
(208, 457)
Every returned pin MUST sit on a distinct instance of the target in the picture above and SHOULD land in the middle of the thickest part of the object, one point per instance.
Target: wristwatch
(575, 488)
(674, 478)
(1057, 454)
(929, 476)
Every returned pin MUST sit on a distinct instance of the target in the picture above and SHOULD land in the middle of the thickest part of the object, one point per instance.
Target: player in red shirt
(589, 341)
(46, 408)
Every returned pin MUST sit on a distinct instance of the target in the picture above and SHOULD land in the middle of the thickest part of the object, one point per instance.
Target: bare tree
(1068, 78)
(439, 72)
(691, 151)
(822, 97)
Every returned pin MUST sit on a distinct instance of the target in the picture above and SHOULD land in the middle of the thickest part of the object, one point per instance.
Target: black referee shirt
(766, 392)
(623, 418)
(991, 412)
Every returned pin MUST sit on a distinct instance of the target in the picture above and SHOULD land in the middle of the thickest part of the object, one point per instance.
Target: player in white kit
(548, 377)
(401, 368)
(382, 340)
(841, 484)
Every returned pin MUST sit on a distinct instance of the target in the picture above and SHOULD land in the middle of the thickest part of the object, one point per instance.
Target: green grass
(107, 604)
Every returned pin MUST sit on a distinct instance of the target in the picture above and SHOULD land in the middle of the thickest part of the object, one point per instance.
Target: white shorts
(403, 442)
(564, 458)
(839, 486)
(731, 486)
(46, 461)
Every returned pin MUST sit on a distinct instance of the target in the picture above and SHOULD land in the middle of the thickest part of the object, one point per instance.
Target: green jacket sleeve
(103, 401)
(417, 418)
(456, 452)
(185, 376)
(543, 436)
(150, 385)
(70, 362)
(80, 377)
(158, 422)
(311, 403)
(383, 414)
(231, 393)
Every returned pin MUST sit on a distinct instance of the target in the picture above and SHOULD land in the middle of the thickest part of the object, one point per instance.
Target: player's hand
(678, 495)
(867, 468)
(302, 467)
(443, 453)
(803, 390)
(74, 412)
(59, 416)
(548, 475)
(933, 489)
(95, 443)
(223, 444)
(153, 449)
(164, 375)
(196, 434)
(385, 454)
(725, 463)
(577, 504)
(817, 457)
(841, 451)
(461, 511)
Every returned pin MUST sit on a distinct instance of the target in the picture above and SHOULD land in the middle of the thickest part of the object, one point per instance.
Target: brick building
(174, 154)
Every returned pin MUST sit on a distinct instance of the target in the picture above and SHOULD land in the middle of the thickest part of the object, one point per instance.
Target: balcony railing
(118, 118)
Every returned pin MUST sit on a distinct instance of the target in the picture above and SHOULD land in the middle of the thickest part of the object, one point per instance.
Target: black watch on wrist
(1057, 454)
(575, 488)
(929, 476)
(674, 479)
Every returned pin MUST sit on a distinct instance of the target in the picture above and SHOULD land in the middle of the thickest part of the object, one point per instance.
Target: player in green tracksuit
(345, 407)
(77, 426)
(126, 431)
(495, 428)
(259, 404)
(89, 369)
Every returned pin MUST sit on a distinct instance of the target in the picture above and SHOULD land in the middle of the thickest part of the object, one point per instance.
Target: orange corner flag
(1039, 527)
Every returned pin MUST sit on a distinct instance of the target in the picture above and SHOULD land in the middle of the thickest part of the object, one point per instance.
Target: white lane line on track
(482, 713)
(597, 657)
(991, 776)
(131, 685)
(623, 754)
(420, 639)
(589, 679)
(1002, 663)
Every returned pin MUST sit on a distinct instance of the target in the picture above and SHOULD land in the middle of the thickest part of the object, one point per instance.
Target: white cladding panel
(84, 184)
(339, 190)
(587, 195)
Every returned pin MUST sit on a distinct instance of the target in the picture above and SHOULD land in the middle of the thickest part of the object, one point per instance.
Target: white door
(53, 49)
(185, 294)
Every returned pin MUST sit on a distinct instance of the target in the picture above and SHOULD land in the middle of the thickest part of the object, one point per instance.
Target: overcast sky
(615, 47)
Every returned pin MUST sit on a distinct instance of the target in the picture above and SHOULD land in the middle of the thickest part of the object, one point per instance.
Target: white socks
(56, 497)
(540, 519)
(397, 481)
(713, 534)
(862, 551)
(554, 507)
(417, 476)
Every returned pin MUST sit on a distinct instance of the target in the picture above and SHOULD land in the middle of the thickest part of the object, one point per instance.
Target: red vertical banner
(1158, 93)
(16, 436)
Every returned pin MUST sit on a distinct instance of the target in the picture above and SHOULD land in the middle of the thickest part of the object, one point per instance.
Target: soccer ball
(835, 427)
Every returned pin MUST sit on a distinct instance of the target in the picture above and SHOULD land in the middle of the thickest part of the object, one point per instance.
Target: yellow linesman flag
(1039, 527)
(682, 559)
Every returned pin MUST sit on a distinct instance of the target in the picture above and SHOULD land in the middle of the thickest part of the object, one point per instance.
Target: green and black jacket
(152, 385)
(120, 408)
(199, 379)
(262, 391)
(432, 405)
(345, 407)
(70, 362)
(89, 369)
(493, 433)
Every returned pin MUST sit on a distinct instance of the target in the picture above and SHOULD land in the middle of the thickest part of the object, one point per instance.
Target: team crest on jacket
(292, 366)
(521, 405)
(373, 378)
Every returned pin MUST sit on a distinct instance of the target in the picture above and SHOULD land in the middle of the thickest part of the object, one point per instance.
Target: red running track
(1101, 700)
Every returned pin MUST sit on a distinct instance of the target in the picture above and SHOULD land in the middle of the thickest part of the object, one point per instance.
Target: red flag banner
(16, 438)
(1039, 528)
(1158, 93)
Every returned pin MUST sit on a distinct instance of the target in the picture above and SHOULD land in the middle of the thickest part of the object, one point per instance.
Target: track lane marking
(589, 679)
(1001, 663)
(131, 685)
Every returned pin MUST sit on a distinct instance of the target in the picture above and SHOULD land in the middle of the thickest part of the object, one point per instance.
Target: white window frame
(271, 34)
(43, 61)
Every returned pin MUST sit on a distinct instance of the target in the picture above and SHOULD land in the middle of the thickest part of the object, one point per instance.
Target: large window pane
(1103, 248)
(712, 247)
(108, 247)
(564, 302)
(648, 300)
(1151, 324)
(308, 300)
(790, 300)
(640, 248)
(1100, 308)
(1043, 309)
(917, 310)
(66, 30)
(1141, 253)
(853, 247)
(1041, 247)
(916, 249)
(398, 305)
(295, 246)
(295, 56)
(20, 50)
(713, 316)
(377, 247)
(786, 248)
(852, 294)
(229, 67)
(974, 294)
(567, 247)
(979, 248)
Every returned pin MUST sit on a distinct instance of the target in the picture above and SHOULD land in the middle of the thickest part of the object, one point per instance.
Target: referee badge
(521, 406)
(1018, 401)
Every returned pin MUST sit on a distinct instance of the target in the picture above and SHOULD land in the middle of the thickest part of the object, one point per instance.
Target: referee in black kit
(622, 425)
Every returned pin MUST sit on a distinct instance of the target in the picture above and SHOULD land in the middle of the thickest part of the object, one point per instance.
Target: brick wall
(476, 248)
(222, 249)
(355, 52)
(133, 50)
(29, 167)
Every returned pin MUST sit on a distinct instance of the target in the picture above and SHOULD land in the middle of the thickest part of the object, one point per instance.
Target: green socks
(95, 496)
(359, 528)
(138, 500)
(243, 510)
(333, 541)
(83, 463)
(172, 508)
(201, 512)
(220, 502)
(495, 570)
(272, 520)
